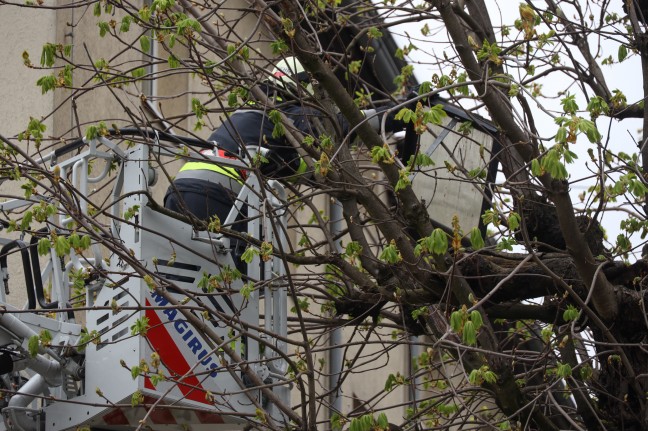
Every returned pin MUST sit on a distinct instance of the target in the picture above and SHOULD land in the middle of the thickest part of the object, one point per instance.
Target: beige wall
(28, 30)
(21, 98)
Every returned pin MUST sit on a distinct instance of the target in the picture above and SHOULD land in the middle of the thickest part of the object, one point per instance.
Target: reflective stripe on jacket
(213, 167)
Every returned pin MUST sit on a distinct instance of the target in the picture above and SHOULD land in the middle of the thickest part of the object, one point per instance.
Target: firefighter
(206, 189)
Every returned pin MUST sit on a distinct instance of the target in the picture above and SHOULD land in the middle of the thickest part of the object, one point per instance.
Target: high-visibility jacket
(211, 167)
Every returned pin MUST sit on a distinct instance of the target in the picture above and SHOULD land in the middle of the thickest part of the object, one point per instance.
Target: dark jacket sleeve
(243, 128)
(251, 127)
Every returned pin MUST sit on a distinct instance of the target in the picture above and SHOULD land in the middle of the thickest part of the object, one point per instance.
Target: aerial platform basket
(160, 290)
(196, 372)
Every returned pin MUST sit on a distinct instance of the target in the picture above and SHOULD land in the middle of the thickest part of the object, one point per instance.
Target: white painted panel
(446, 187)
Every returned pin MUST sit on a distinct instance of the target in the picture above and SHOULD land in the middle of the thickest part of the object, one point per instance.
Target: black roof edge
(390, 67)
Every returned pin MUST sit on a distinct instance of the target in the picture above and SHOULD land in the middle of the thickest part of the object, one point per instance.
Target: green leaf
(278, 130)
(421, 311)
(140, 327)
(247, 290)
(374, 33)
(382, 421)
(390, 383)
(198, 108)
(44, 246)
(101, 64)
(32, 345)
(382, 155)
(405, 115)
(390, 254)
(569, 104)
(48, 55)
(336, 422)
(62, 246)
(125, 24)
(547, 333)
(145, 14)
(563, 370)
(514, 220)
(203, 283)
(439, 241)
(552, 164)
(145, 44)
(571, 313)
(104, 28)
(138, 73)
(131, 212)
(489, 377)
(469, 333)
(586, 372)
(476, 319)
(74, 240)
(278, 46)
(457, 321)
(506, 244)
(536, 168)
(214, 224)
(353, 249)
(426, 87)
(301, 304)
(504, 425)
(466, 128)
(249, 254)
(86, 241)
(161, 6)
(421, 160)
(173, 61)
(135, 371)
(476, 240)
(187, 25)
(86, 338)
(623, 52)
(26, 220)
(475, 378)
(94, 131)
(590, 130)
(232, 99)
(156, 379)
(149, 281)
(597, 106)
(137, 398)
(435, 115)
(46, 83)
(618, 99)
(403, 180)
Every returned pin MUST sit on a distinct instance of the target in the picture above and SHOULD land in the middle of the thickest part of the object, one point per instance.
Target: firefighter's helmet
(288, 73)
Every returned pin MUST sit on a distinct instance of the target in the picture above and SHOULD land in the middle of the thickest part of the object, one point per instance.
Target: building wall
(27, 31)
(21, 98)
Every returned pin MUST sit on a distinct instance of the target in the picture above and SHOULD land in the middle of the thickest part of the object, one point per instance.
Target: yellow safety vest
(209, 166)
